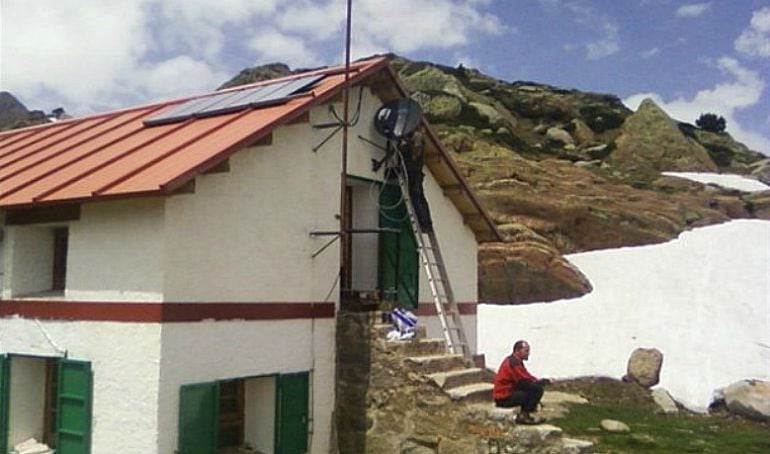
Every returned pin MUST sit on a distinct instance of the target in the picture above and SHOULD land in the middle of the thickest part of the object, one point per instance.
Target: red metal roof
(116, 155)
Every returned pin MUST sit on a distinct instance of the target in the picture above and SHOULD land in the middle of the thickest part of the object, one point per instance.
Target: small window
(60, 242)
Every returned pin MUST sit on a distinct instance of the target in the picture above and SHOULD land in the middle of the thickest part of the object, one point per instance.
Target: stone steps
(431, 364)
(455, 378)
(474, 392)
(472, 386)
(419, 347)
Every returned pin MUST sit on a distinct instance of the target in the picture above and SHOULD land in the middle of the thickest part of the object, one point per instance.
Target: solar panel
(233, 101)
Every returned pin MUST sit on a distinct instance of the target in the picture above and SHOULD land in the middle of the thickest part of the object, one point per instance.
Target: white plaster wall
(28, 260)
(27, 400)
(433, 328)
(116, 252)
(259, 418)
(244, 235)
(458, 246)
(365, 245)
(361, 153)
(125, 361)
(210, 351)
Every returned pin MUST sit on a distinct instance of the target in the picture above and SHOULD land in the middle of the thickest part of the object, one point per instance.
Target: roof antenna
(344, 243)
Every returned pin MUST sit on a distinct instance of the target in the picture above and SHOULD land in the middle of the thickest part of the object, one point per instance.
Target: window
(38, 265)
(45, 398)
(267, 414)
(60, 243)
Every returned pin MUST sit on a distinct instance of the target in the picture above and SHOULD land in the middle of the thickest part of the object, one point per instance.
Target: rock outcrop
(644, 367)
(651, 142)
(664, 401)
(13, 114)
(749, 398)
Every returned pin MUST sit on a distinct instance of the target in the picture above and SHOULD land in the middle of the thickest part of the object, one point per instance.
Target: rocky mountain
(13, 114)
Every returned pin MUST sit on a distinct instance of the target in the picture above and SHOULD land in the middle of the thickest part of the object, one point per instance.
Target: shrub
(711, 122)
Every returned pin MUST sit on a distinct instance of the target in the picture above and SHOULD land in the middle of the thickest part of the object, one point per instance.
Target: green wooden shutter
(399, 261)
(198, 418)
(73, 425)
(5, 366)
(292, 413)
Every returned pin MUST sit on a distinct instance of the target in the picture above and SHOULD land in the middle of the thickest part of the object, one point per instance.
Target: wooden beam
(304, 118)
(264, 141)
(187, 188)
(452, 189)
(433, 159)
(39, 215)
(222, 167)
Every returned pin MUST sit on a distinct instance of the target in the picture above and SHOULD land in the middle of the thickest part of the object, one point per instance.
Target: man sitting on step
(515, 386)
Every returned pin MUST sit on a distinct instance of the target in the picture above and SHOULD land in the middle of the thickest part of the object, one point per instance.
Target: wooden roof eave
(447, 174)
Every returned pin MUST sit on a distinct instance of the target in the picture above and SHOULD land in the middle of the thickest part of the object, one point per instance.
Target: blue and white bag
(404, 324)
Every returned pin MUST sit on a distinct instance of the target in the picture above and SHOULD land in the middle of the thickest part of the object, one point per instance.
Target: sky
(702, 299)
(690, 57)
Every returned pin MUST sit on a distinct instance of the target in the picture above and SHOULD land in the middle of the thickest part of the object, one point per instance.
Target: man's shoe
(529, 420)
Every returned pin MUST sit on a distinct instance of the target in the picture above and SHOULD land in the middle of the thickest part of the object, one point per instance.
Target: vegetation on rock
(711, 122)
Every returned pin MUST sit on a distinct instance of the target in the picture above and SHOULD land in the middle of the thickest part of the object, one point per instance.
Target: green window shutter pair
(73, 425)
(398, 252)
(199, 416)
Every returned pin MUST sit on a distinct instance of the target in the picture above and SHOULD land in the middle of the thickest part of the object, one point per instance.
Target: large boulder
(651, 142)
(526, 272)
(749, 398)
(644, 367)
(559, 135)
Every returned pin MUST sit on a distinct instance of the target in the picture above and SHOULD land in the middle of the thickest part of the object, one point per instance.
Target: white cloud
(587, 16)
(274, 46)
(754, 41)
(178, 76)
(401, 26)
(743, 90)
(693, 9)
(649, 53)
(606, 46)
(110, 53)
(406, 26)
(80, 52)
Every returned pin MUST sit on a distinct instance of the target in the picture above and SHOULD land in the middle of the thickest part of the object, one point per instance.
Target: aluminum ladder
(438, 280)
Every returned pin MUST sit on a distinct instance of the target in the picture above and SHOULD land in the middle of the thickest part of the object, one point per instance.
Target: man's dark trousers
(527, 394)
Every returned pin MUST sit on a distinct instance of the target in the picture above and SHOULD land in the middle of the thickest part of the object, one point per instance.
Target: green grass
(652, 431)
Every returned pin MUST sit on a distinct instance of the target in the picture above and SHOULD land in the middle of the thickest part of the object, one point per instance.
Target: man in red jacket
(515, 386)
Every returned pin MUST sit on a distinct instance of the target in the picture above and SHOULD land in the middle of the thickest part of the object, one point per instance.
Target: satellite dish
(397, 119)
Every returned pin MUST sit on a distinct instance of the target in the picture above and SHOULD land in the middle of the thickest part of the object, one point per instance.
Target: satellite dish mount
(396, 121)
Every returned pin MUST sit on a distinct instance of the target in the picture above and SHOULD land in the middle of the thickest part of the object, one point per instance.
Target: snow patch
(702, 299)
(738, 182)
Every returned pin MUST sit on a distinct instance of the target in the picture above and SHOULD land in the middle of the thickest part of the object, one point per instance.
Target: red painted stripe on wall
(162, 312)
(429, 309)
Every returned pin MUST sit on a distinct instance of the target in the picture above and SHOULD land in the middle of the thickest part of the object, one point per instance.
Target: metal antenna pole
(344, 173)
